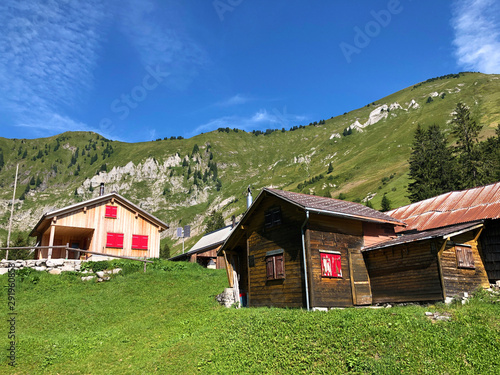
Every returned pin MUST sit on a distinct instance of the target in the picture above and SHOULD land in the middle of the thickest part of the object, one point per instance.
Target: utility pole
(11, 213)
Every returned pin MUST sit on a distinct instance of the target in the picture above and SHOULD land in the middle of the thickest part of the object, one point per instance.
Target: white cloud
(160, 39)
(261, 120)
(477, 34)
(237, 99)
(48, 51)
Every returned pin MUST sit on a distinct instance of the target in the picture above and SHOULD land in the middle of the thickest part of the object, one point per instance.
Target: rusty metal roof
(450, 231)
(451, 208)
(335, 207)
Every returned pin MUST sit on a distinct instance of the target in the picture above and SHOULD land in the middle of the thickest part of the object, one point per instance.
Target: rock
(54, 262)
(31, 263)
(388, 306)
(55, 271)
(19, 264)
(68, 267)
(116, 270)
(41, 268)
(3, 271)
(87, 278)
(448, 300)
(427, 313)
(497, 284)
(319, 309)
(40, 262)
(100, 274)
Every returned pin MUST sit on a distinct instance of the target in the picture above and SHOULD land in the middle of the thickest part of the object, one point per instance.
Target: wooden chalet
(297, 250)
(204, 252)
(108, 224)
(427, 266)
(459, 207)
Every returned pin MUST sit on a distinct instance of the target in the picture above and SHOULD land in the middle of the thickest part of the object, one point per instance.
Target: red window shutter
(110, 240)
(144, 242)
(139, 242)
(111, 212)
(279, 265)
(114, 240)
(135, 241)
(337, 269)
(326, 265)
(270, 268)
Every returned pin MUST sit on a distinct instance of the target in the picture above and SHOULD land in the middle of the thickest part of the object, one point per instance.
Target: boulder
(100, 274)
(54, 262)
(55, 271)
(87, 278)
(3, 270)
(116, 270)
(40, 268)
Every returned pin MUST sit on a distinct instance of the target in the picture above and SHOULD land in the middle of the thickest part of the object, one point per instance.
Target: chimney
(249, 198)
(101, 189)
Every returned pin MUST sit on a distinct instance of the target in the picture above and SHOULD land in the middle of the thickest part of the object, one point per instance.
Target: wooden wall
(127, 222)
(404, 273)
(203, 258)
(288, 292)
(331, 234)
(490, 248)
(375, 233)
(460, 280)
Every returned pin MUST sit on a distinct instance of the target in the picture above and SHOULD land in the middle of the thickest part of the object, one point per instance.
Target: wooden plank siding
(404, 273)
(374, 233)
(287, 292)
(71, 226)
(490, 249)
(459, 280)
(331, 234)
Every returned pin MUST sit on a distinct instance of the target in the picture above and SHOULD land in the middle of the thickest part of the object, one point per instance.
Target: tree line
(436, 168)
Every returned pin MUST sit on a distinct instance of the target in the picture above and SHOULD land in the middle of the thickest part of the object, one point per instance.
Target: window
(331, 265)
(272, 217)
(275, 265)
(111, 212)
(139, 242)
(465, 259)
(114, 240)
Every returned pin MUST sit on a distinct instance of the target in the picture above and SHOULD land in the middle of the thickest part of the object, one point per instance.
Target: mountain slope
(160, 176)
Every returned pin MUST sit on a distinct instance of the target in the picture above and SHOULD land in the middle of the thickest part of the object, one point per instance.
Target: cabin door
(360, 281)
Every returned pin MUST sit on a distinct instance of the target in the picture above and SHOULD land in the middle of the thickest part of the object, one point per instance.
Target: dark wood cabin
(427, 266)
(458, 207)
(298, 250)
(204, 252)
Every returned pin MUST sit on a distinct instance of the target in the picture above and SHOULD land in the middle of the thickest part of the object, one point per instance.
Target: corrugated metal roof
(429, 234)
(334, 207)
(451, 208)
(209, 240)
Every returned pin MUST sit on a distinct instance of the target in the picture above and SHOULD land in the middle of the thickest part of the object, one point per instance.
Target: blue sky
(138, 70)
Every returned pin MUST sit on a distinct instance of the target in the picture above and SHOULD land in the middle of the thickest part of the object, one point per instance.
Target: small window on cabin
(272, 217)
(114, 240)
(275, 265)
(465, 258)
(139, 242)
(331, 264)
(111, 212)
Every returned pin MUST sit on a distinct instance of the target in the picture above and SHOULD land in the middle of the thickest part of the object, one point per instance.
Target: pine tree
(469, 154)
(330, 168)
(432, 165)
(386, 204)
(215, 221)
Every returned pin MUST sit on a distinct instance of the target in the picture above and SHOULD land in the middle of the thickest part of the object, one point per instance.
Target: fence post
(67, 247)
(144, 267)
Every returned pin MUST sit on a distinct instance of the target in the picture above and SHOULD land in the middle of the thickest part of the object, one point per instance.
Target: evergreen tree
(386, 204)
(469, 154)
(330, 168)
(2, 163)
(490, 149)
(165, 251)
(432, 165)
(215, 221)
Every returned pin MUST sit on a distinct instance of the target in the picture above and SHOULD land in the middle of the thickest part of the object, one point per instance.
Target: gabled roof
(99, 200)
(317, 205)
(451, 208)
(208, 241)
(447, 232)
(334, 207)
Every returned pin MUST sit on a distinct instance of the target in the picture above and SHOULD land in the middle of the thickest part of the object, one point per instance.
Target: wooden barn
(108, 224)
(430, 265)
(459, 207)
(298, 250)
(204, 252)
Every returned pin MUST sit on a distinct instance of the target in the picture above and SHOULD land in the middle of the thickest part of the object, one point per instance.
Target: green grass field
(167, 321)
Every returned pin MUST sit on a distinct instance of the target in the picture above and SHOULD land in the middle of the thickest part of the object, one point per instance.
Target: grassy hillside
(167, 321)
(160, 175)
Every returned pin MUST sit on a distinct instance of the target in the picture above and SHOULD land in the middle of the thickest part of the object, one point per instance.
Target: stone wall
(53, 266)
